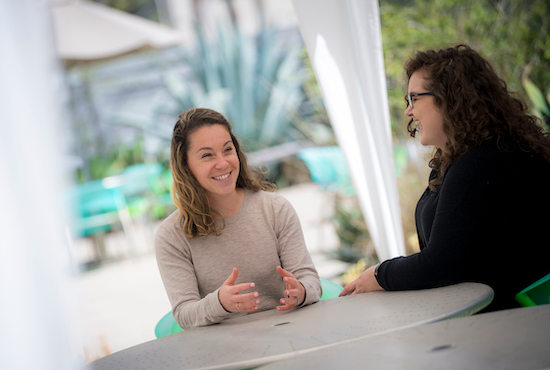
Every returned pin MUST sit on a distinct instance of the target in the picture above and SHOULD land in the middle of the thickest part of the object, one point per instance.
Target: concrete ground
(121, 302)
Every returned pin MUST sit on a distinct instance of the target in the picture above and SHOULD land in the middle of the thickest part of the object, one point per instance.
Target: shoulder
(168, 233)
(169, 222)
(271, 204)
(267, 198)
(504, 164)
(494, 157)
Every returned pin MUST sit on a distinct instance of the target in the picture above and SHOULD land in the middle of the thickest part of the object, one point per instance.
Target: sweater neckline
(235, 216)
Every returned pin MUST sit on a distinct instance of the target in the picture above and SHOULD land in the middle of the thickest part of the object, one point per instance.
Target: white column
(182, 16)
(36, 307)
(344, 44)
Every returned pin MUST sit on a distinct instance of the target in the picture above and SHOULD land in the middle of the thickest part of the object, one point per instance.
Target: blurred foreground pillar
(36, 308)
(344, 44)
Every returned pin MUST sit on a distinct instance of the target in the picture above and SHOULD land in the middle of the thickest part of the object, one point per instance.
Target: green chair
(330, 289)
(168, 325)
(137, 183)
(94, 209)
(327, 166)
(535, 294)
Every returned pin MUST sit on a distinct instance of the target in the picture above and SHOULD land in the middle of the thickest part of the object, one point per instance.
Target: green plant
(255, 81)
(351, 228)
(510, 33)
(541, 104)
(110, 160)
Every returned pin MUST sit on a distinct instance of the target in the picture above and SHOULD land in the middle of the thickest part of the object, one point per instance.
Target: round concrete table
(512, 339)
(266, 336)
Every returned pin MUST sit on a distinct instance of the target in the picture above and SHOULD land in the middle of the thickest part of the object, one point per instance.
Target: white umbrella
(88, 31)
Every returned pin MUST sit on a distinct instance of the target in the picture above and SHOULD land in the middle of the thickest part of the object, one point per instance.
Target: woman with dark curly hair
(485, 214)
(231, 232)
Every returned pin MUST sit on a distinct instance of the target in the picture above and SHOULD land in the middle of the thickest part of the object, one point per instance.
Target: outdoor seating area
(138, 193)
(409, 205)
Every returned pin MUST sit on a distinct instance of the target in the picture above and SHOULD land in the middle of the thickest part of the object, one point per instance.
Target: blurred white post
(36, 308)
(344, 44)
(182, 15)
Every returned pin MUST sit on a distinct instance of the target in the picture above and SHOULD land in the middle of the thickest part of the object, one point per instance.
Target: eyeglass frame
(409, 97)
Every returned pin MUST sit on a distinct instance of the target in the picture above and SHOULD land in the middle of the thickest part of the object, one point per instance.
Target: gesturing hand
(231, 298)
(295, 291)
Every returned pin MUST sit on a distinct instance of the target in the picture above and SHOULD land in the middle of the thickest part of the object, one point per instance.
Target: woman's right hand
(231, 298)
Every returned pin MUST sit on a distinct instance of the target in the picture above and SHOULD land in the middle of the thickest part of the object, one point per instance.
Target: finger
(291, 301)
(285, 307)
(348, 289)
(232, 278)
(283, 272)
(292, 293)
(237, 289)
(247, 306)
(247, 296)
(294, 287)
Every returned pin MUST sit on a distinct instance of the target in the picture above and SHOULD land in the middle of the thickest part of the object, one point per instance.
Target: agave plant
(257, 82)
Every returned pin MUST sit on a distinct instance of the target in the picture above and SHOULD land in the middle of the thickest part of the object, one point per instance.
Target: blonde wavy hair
(195, 212)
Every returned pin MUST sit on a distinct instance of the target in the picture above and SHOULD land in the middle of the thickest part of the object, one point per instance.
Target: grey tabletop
(267, 336)
(511, 339)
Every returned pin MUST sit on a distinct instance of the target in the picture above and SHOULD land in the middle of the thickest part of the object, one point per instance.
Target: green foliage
(510, 33)
(541, 104)
(256, 82)
(110, 161)
(351, 228)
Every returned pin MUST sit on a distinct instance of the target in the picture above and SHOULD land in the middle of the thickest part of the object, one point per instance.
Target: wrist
(376, 270)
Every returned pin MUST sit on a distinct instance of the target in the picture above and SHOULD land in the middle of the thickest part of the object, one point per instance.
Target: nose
(408, 111)
(221, 162)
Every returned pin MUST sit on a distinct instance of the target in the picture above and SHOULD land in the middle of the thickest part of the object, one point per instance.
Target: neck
(227, 205)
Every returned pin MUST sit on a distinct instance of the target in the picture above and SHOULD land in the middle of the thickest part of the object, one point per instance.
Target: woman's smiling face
(213, 160)
(425, 114)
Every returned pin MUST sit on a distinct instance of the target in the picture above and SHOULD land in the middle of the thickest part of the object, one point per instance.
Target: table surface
(512, 339)
(267, 336)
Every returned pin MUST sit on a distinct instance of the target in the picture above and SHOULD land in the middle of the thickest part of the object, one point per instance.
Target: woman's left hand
(366, 282)
(295, 291)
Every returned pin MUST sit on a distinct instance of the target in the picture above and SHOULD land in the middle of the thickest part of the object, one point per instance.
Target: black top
(488, 222)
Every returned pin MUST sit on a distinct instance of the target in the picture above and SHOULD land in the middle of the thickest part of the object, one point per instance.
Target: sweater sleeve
(293, 252)
(178, 275)
(459, 238)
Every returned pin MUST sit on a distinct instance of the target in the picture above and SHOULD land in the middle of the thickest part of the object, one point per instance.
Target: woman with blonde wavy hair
(485, 213)
(230, 234)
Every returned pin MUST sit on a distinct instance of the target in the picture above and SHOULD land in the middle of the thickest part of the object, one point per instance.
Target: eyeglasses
(409, 97)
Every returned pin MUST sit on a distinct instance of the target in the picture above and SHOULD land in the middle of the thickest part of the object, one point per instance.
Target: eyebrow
(208, 148)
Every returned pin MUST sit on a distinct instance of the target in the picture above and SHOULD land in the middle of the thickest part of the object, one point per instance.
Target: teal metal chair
(95, 209)
(327, 166)
(138, 183)
(535, 294)
(168, 325)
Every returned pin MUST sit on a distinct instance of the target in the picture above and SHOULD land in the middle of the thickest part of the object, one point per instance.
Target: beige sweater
(263, 234)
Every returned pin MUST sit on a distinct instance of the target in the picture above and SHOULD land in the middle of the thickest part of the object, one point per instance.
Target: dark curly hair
(476, 105)
(196, 214)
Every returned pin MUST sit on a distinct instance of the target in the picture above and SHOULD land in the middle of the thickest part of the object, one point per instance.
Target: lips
(222, 177)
